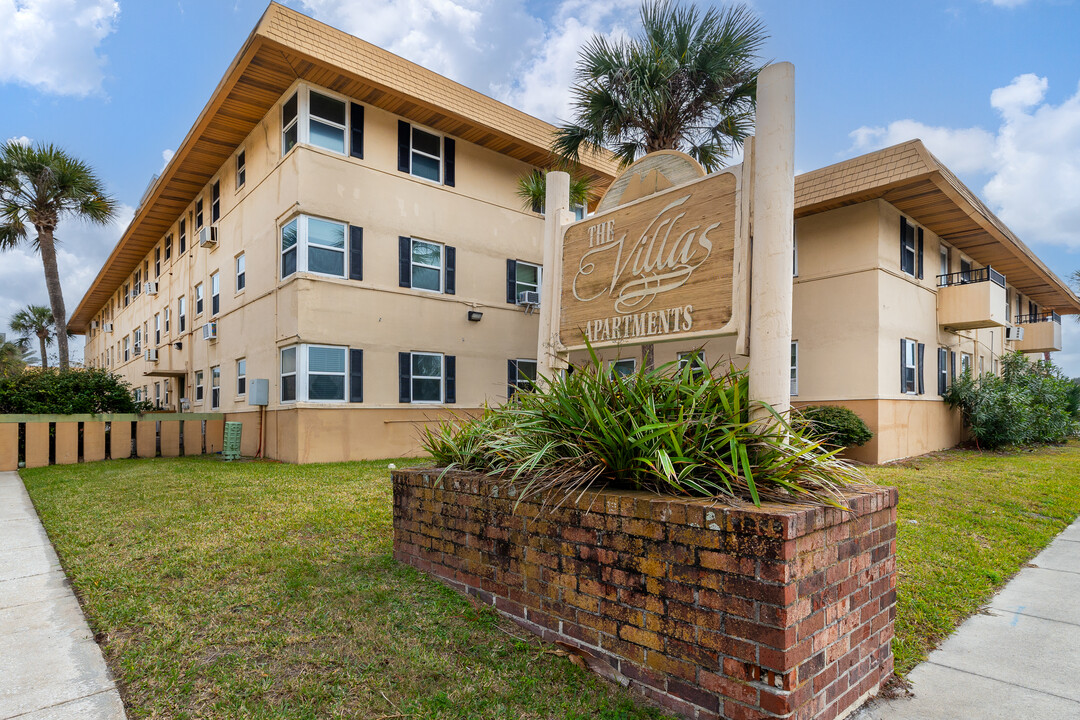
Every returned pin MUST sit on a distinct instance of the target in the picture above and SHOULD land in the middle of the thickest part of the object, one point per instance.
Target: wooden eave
(286, 46)
(917, 184)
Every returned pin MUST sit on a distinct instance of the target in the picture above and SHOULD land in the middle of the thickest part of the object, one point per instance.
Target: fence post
(9, 446)
(93, 441)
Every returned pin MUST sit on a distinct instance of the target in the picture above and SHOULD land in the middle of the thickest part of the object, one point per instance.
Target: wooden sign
(660, 268)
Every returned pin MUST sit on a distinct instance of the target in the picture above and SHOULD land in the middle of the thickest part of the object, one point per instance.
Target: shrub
(835, 426)
(666, 430)
(74, 391)
(1030, 402)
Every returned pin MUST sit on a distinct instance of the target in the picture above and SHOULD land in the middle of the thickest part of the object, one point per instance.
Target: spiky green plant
(35, 321)
(667, 430)
(687, 82)
(532, 189)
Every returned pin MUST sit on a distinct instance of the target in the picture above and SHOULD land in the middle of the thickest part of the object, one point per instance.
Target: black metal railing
(975, 275)
(1049, 316)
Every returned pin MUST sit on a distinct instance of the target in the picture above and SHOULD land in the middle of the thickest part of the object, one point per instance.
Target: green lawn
(264, 590)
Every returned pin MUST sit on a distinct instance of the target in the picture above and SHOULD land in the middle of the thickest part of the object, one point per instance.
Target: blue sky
(992, 87)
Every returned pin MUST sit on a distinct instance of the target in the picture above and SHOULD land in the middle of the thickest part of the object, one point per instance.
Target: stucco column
(773, 224)
(556, 208)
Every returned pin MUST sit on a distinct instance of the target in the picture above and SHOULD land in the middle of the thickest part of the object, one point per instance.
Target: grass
(263, 590)
(967, 522)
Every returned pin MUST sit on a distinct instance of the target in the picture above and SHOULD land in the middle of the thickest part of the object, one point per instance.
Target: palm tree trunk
(44, 342)
(56, 294)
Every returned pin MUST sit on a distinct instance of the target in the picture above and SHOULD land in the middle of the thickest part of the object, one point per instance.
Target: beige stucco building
(345, 225)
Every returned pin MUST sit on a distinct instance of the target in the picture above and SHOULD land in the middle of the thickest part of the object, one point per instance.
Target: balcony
(972, 299)
(1042, 333)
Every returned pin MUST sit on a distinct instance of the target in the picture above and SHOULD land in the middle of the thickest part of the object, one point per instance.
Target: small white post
(773, 228)
(556, 207)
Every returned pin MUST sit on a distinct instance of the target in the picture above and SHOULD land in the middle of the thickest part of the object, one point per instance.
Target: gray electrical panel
(258, 391)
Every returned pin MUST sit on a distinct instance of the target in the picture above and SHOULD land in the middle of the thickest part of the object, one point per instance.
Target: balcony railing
(975, 275)
(1048, 316)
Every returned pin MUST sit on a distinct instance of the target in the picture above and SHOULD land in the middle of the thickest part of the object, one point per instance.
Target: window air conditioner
(209, 331)
(529, 297)
(107, 327)
(208, 236)
(150, 288)
(1014, 333)
(151, 355)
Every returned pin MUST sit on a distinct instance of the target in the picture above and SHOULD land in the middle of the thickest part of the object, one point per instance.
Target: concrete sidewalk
(50, 666)
(1021, 659)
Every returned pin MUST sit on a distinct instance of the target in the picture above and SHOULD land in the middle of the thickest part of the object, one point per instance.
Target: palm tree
(532, 189)
(39, 185)
(687, 82)
(14, 355)
(35, 321)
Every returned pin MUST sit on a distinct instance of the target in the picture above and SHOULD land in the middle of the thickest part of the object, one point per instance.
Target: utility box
(259, 391)
(230, 449)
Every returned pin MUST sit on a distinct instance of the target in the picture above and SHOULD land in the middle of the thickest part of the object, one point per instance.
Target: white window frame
(966, 364)
(295, 374)
(240, 273)
(519, 378)
(215, 387)
(309, 117)
(295, 122)
(136, 342)
(127, 348)
(199, 380)
(413, 127)
(199, 299)
(303, 243)
(241, 376)
(794, 253)
(914, 250)
(911, 362)
(181, 314)
(413, 377)
(157, 329)
(612, 364)
(304, 373)
(943, 258)
(241, 168)
(794, 379)
(303, 118)
(215, 293)
(168, 315)
(441, 267)
(518, 283)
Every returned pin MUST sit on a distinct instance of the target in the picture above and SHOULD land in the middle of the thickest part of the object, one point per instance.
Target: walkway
(50, 666)
(1020, 659)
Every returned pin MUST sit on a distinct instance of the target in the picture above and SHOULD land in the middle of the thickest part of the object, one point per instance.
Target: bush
(1030, 402)
(665, 430)
(76, 391)
(835, 426)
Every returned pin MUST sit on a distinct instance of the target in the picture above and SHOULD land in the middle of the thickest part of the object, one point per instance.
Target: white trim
(240, 375)
(441, 266)
(413, 377)
(442, 153)
(793, 390)
(303, 372)
(215, 403)
(295, 373)
(911, 351)
(237, 168)
(613, 363)
(238, 259)
(539, 278)
(303, 244)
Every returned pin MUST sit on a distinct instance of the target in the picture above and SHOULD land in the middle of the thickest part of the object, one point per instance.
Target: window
(198, 299)
(138, 394)
(426, 377)
(965, 270)
(241, 169)
(965, 363)
(944, 260)
(426, 155)
(911, 360)
(624, 366)
(157, 263)
(198, 214)
(910, 248)
(289, 127)
(136, 283)
(942, 370)
(288, 374)
(181, 314)
(795, 368)
(526, 279)
(157, 394)
(794, 254)
(697, 359)
(314, 245)
(157, 328)
(183, 236)
(167, 315)
(136, 341)
(215, 387)
(241, 377)
(579, 212)
(241, 279)
(168, 247)
(427, 261)
(520, 375)
(198, 385)
(326, 373)
(215, 293)
(326, 122)
(127, 294)
(127, 348)
(215, 201)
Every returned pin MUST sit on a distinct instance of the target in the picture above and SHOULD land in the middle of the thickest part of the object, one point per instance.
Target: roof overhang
(287, 46)
(911, 179)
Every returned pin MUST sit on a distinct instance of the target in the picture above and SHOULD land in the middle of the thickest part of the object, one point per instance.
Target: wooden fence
(39, 440)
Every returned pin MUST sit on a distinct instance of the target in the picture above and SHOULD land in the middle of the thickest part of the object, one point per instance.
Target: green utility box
(230, 449)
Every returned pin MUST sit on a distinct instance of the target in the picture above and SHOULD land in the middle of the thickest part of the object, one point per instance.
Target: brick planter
(711, 611)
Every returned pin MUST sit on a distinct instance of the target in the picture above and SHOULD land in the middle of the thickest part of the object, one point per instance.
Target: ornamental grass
(672, 430)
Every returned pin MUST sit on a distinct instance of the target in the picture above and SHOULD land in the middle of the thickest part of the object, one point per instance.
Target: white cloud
(1032, 158)
(52, 45)
(21, 140)
(166, 156)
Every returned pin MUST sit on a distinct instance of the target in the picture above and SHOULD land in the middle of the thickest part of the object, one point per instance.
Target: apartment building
(903, 279)
(344, 224)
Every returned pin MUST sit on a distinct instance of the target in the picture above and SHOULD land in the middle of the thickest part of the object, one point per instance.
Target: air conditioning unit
(208, 236)
(1014, 333)
(107, 327)
(150, 355)
(93, 324)
(529, 297)
(209, 331)
(150, 288)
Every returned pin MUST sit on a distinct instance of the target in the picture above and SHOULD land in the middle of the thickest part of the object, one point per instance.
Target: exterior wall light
(475, 315)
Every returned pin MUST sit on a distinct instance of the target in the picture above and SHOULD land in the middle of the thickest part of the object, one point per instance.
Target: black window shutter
(450, 382)
(952, 364)
(942, 370)
(356, 375)
(903, 239)
(920, 252)
(511, 282)
(356, 134)
(921, 355)
(404, 361)
(404, 146)
(903, 360)
(405, 262)
(511, 378)
(448, 158)
(451, 270)
(356, 253)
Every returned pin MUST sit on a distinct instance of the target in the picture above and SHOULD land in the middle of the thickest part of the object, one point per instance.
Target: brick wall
(774, 612)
